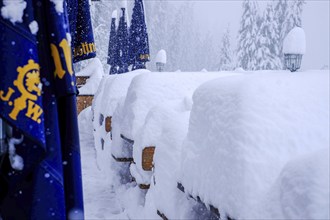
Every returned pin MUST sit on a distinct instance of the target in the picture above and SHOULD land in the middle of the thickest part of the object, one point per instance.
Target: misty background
(191, 31)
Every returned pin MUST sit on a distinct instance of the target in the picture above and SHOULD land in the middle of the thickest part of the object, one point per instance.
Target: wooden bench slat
(122, 159)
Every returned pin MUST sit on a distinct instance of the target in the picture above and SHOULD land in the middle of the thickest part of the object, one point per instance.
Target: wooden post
(148, 158)
(108, 120)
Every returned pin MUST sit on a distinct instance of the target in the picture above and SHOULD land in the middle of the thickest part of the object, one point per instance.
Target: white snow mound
(95, 71)
(161, 56)
(295, 42)
(244, 130)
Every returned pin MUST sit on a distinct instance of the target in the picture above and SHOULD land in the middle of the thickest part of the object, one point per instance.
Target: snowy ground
(99, 199)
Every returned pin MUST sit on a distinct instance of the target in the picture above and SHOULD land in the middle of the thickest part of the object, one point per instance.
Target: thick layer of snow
(302, 189)
(255, 145)
(295, 42)
(151, 89)
(161, 56)
(165, 127)
(244, 130)
(13, 10)
(100, 200)
(123, 4)
(85, 126)
(95, 72)
(111, 91)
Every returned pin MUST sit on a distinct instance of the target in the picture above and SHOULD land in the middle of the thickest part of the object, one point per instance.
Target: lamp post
(294, 47)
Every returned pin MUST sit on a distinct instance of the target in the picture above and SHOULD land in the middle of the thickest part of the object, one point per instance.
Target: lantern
(294, 47)
(161, 60)
(292, 61)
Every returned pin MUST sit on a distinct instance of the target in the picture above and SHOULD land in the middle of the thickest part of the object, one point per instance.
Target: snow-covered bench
(146, 108)
(258, 146)
(111, 91)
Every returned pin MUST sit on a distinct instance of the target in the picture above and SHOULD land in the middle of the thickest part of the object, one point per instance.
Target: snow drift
(243, 133)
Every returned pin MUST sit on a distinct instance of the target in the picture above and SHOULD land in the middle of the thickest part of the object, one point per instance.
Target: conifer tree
(281, 10)
(225, 63)
(112, 48)
(100, 14)
(138, 40)
(122, 43)
(295, 15)
(268, 47)
(247, 44)
(158, 18)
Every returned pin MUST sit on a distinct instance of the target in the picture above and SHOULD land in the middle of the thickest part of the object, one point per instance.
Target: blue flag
(41, 177)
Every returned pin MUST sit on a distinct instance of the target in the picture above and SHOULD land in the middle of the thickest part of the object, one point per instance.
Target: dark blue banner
(37, 99)
(20, 84)
(81, 30)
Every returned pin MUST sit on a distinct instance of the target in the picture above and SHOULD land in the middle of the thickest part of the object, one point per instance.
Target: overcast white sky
(215, 15)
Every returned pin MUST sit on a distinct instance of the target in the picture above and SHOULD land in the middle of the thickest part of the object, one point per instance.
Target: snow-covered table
(258, 146)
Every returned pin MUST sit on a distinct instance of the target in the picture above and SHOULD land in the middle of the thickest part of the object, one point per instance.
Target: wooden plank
(162, 215)
(84, 101)
(211, 208)
(127, 139)
(122, 159)
(144, 186)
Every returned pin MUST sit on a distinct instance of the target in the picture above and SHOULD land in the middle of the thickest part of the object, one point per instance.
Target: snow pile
(157, 108)
(302, 190)
(123, 3)
(13, 10)
(148, 108)
(150, 89)
(111, 91)
(95, 71)
(295, 42)
(161, 56)
(168, 124)
(86, 127)
(251, 136)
